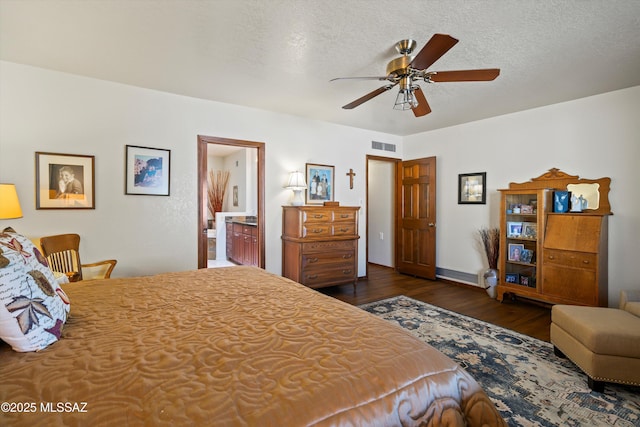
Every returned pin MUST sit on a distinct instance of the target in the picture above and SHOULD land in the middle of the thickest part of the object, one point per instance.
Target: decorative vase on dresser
(320, 245)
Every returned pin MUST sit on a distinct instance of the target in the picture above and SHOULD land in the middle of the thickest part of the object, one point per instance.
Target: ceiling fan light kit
(406, 70)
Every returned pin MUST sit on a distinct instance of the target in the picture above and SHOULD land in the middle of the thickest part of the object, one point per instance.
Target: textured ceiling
(279, 55)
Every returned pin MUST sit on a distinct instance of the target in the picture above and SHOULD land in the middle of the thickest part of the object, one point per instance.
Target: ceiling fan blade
(360, 78)
(437, 46)
(423, 107)
(367, 97)
(465, 75)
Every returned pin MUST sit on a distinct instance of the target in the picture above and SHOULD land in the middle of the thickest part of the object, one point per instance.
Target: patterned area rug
(528, 383)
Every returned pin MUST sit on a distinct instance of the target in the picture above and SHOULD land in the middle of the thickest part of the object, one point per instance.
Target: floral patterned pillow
(33, 308)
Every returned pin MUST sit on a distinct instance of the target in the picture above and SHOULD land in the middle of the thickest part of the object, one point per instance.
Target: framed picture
(526, 209)
(526, 256)
(235, 195)
(514, 229)
(515, 252)
(529, 230)
(147, 171)
(472, 188)
(320, 180)
(65, 181)
(512, 278)
(525, 280)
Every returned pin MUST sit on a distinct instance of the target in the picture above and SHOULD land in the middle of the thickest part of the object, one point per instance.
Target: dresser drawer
(571, 259)
(316, 230)
(329, 246)
(328, 260)
(319, 215)
(346, 216)
(325, 276)
(343, 229)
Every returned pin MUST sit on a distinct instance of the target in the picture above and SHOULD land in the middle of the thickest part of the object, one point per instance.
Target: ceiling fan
(407, 70)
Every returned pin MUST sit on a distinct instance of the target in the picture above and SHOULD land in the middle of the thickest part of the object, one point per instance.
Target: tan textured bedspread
(232, 346)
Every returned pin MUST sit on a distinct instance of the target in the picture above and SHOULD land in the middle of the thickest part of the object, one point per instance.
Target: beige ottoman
(603, 342)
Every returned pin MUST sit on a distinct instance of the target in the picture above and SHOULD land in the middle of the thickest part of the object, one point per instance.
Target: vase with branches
(216, 188)
(491, 244)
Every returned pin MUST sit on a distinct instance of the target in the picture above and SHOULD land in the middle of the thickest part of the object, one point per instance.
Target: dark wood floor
(521, 315)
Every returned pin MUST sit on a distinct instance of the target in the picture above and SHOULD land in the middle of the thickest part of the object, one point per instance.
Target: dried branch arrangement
(217, 186)
(491, 242)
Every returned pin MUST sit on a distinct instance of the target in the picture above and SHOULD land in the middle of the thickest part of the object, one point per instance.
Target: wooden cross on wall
(351, 174)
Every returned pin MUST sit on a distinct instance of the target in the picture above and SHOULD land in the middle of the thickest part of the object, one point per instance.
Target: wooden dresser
(320, 245)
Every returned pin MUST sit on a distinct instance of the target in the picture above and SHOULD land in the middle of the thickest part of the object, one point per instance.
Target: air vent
(383, 146)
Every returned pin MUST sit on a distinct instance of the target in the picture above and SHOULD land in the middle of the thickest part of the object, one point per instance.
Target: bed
(231, 346)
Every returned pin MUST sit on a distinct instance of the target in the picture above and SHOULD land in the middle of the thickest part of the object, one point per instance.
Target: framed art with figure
(515, 252)
(65, 181)
(472, 188)
(320, 180)
(147, 171)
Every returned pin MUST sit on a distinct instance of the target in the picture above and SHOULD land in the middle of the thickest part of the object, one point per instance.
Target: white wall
(42, 110)
(592, 137)
(236, 163)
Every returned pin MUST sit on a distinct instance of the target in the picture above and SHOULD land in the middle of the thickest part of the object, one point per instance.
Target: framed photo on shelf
(472, 188)
(512, 278)
(65, 181)
(529, 230)
(147, 171)
(514, 229)
(515, 252)
(526, 256)
(320, 183)
(526, 209)
(525, 280)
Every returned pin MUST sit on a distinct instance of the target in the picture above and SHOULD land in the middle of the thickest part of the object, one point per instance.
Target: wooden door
(416, 225)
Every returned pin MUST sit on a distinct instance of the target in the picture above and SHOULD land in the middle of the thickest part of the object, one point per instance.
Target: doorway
(381, 175)
(203, 229)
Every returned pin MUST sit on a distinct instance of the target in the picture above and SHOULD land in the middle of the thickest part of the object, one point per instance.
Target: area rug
(528, 383)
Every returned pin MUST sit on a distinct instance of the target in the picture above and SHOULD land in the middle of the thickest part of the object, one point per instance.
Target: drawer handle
(585, 261)
(317, 230)
(318, 216)
(344, 216)
(346, 271)
(551, 257)
(344, 230)
(313, 259)
(347, 256)
(315, 276)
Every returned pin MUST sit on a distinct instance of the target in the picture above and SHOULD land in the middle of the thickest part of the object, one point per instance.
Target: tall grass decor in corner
(491, 243)
(216, 188)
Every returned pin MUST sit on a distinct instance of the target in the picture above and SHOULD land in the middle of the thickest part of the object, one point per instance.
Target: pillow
(33, 308)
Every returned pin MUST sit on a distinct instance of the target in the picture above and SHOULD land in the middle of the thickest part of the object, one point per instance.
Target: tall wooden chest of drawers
(320, 245)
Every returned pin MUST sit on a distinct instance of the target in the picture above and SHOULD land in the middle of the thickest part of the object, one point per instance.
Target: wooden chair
(63, 254)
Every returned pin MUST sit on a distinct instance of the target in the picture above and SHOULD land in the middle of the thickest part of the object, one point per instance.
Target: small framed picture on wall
(147, 171)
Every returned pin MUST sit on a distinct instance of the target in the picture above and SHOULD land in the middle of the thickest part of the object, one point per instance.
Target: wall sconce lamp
(9, 203)
(297, 183)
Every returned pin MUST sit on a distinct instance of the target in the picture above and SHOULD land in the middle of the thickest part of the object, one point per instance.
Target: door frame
(203, 142)
(397, 162)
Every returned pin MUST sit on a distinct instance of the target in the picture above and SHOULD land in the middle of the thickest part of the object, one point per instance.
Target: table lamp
(297, 184)
(9, 203)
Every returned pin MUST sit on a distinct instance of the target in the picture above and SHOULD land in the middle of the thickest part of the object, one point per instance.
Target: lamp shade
(9, 203)
(296, 181)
